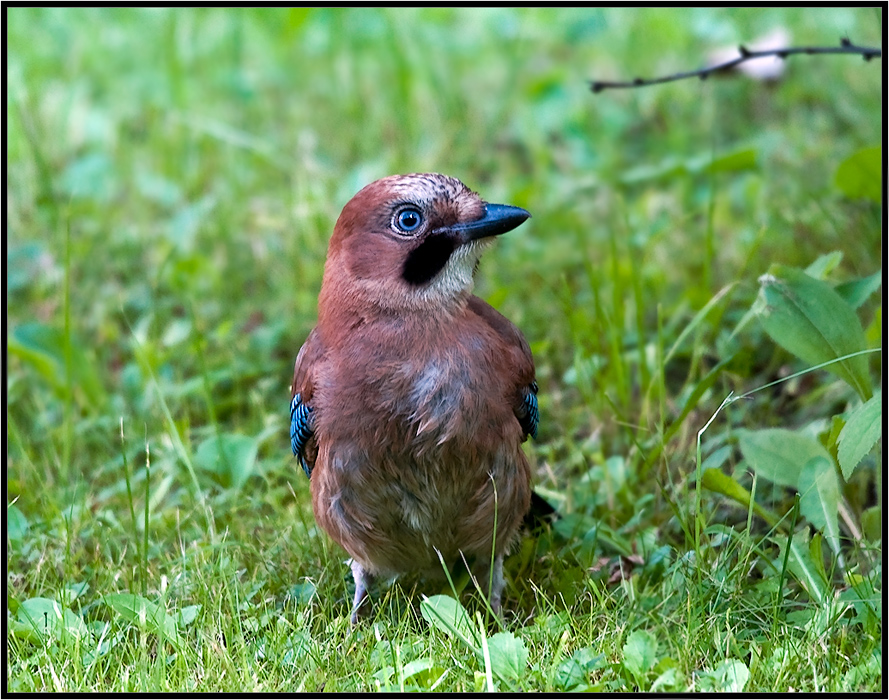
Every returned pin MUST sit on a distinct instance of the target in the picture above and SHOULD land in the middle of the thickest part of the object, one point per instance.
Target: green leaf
(49, 619)
(743, 159)
(872, 523)
(863, 677)
(715, 480)
(861, 174)
(800, 564)
(668, 168)
(40, 618)
(819, 498)
(384, 674)
(105, 644)
(831, 439)
(415, 667)
(303, 593)
(297, 646)
(72, 592)
(574, 673)
(640, 653)
(90, 176)
(146, 615)
(816, 555)
(24, 630)
(509, 656)
(481, 682)
(729, 676)
(856, 292)
(778, 454)
(861, 432)
(449, 616)
(187, 615)
(43, 347)
(668, 680)
(178, 330)
(808, 318)
(229, 457)
(865, 598)
(29, 264)
(16, 524)
(824, 265)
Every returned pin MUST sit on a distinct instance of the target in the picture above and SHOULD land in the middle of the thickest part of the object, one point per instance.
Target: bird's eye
(408, 220)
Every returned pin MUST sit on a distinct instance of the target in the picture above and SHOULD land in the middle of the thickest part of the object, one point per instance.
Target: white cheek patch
(452, 283)
(456, 276)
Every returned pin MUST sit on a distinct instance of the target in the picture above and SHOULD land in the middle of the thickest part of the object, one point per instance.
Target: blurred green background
(173, 176)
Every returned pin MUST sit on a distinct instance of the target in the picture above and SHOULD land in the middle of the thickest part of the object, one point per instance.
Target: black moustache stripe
(428, 259)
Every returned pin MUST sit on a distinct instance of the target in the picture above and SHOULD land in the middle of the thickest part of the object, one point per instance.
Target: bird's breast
(399, 390)
(443, 398)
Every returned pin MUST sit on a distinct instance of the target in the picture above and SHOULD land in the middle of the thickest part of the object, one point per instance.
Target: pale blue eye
(409, 220)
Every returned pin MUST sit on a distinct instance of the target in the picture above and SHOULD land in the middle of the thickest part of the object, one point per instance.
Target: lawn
(173, 176)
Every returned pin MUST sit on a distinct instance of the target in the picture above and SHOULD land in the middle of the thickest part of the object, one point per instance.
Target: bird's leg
(363, 580)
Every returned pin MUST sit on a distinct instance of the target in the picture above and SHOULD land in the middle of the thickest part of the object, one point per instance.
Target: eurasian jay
(411, 397)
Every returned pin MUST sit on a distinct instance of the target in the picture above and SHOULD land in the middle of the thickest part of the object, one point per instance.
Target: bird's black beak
(498, 219)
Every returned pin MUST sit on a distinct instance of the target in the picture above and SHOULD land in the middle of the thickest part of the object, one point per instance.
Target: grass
(172, 179)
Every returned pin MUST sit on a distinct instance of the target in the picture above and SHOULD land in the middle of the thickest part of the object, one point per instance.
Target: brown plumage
(411, 397)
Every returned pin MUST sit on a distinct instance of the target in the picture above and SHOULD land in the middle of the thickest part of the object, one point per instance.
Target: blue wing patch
(529, 414)
(301, 420)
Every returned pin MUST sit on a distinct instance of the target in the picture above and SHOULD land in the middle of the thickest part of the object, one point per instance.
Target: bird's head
(412, 242)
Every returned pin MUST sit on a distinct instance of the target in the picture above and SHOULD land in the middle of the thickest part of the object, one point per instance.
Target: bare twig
(846, 47)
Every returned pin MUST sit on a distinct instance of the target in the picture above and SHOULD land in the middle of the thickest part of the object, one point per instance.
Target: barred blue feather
(300, 430)
(529, 415)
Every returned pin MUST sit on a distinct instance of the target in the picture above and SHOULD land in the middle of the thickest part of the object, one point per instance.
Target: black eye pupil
(409, 219)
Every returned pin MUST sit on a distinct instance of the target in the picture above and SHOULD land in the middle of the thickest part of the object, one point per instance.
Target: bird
(411, 397)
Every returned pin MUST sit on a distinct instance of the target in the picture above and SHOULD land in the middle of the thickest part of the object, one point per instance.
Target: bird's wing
(518, 360)
(528, 413)
(302, 413)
